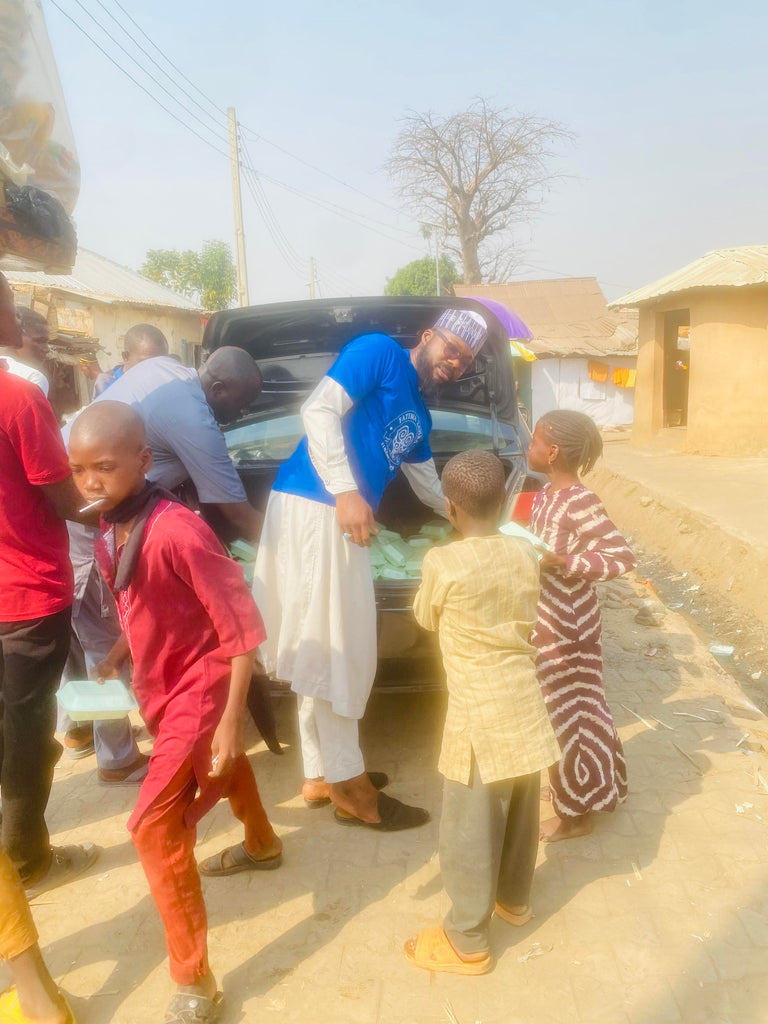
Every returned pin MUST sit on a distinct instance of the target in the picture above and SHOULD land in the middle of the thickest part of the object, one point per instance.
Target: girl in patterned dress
(585, 547)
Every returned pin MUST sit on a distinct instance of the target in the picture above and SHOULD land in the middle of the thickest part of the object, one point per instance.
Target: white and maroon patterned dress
(592, 773)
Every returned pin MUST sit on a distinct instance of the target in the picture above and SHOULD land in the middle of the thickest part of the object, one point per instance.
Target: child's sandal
(192, 1008)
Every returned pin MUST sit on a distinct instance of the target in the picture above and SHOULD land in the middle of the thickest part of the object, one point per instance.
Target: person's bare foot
(357, 796)
(316, 792)
(315, 788)
(35, 996)
(556, 829)
(516, 914)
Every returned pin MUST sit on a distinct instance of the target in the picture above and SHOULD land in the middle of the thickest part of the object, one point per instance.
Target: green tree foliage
(207, 276)
(217, 275)
(419, 278)
(172, 269)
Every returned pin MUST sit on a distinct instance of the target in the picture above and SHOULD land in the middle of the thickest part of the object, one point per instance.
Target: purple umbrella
(510, 321)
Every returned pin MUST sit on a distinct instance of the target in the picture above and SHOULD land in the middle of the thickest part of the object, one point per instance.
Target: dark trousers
(32, 656)
(489, 838)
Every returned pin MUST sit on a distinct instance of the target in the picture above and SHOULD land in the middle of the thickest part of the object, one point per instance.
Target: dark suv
(294, 344)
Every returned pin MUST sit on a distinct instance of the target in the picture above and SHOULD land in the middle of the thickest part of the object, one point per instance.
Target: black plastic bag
(39, 213)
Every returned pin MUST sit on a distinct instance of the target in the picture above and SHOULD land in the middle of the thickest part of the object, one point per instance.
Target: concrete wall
(728, 388)
(565, 384)
(109, 322)
(728, 401)
(649, 400)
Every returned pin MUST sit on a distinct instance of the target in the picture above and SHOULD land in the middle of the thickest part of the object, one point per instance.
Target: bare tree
(474, 175)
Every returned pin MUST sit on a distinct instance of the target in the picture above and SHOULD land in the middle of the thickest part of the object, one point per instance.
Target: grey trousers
(95, 628)
(489, 838)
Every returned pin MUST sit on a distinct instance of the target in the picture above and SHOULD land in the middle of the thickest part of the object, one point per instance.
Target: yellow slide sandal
(10, 1011)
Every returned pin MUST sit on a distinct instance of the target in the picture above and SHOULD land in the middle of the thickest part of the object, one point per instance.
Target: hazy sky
(667, 101)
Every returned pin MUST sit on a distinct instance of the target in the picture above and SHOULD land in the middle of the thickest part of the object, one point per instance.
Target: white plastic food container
(85, 700)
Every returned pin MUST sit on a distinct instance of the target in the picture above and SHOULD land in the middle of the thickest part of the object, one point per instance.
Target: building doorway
(677, 367)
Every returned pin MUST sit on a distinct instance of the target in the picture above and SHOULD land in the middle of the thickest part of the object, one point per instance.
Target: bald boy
(108, 432)
(194, 630)
(181, 409)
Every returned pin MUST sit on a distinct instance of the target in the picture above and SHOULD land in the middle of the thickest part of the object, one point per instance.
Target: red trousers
(166, 849)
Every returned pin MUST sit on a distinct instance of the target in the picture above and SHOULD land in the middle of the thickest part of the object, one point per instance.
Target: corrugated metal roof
(721, 268)
(96, 277)
(568, 316)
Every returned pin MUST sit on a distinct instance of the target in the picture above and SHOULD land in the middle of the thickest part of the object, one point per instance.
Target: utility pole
(237, 205)
(311, 277)
(428, 232)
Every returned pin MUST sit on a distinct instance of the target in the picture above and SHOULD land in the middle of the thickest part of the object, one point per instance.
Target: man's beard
(424, 371)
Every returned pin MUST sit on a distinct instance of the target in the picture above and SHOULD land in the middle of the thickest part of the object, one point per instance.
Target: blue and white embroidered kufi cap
(465, 324)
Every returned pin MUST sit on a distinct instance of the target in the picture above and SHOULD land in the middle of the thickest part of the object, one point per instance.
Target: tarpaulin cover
(37, 149)
(510, 321)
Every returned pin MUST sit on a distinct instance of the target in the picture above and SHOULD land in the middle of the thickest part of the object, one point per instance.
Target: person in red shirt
(192, 629)
(35, 602)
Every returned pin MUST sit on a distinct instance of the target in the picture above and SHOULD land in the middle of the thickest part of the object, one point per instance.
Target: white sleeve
(321, 415)
(41, 380)
(26, 372)
(425, 484)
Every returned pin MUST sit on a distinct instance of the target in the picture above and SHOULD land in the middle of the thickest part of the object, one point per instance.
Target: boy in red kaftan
(192, 629)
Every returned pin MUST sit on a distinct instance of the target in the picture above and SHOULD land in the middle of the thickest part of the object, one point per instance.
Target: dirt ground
(661, 915)
(701, 544)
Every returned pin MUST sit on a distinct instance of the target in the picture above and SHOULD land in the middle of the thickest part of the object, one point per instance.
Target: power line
(560, 273)
(255, 184)
(136, 82)
(247, 163)
(165, 57)
(287, 252)
(338, 280)
(147, 54)
(325, 203)
(221, 137)
(324, 278)
(328, 205)
(279, 245)
(319, 170)
(352, 215)
(291, 257)
(212, 103)
(340, 211)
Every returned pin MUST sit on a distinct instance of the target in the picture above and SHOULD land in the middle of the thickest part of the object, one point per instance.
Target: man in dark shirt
(35, 604)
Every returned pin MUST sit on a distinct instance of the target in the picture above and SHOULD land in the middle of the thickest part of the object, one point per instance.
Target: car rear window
(274, 439)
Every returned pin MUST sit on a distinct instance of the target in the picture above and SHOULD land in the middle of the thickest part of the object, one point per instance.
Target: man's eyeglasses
(453, 352)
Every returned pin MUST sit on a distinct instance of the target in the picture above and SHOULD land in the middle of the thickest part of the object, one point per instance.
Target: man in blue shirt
(364, 421)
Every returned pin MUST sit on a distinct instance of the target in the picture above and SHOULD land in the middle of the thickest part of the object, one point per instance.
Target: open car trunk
(295, 345)
(407, 654)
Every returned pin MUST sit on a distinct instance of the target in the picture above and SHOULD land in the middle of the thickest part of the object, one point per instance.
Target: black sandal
(395, 816)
